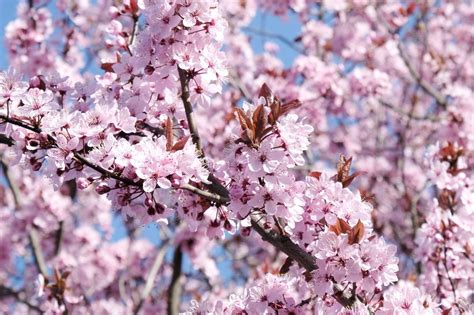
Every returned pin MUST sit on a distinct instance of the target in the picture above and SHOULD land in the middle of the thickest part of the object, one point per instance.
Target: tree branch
(33, 235)
(409, 115)
(38, 252)
(174, 289)
(216, 186)
(286, 245)
(304, 259)
(58, 240)
(13, 188)
(206, 194)
(151, 277)
(6, 292)
(426, 86)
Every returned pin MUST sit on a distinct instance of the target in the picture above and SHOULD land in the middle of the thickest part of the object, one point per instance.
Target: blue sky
(7, 13)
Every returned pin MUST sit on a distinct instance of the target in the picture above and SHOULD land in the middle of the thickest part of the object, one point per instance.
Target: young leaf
(356, 234)
(285, 108)
(169, 134)
(340, 227)
(179, 145)
(265, 92)
(316, 175)
(259, 122)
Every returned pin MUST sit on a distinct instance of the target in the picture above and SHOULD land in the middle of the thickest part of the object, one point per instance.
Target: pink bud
(82, 183)
(102, 189)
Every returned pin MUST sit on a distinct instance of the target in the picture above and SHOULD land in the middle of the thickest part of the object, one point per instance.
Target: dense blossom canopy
(339, 183)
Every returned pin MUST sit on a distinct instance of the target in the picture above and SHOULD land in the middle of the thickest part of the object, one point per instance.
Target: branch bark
(32, 235)
(184, 78)
(151, 278)
(6, 292)
(174, 289)
(38, 252)
(222, 198)
(286, 245)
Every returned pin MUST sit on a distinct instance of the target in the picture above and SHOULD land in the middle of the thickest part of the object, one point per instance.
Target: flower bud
(82, 183)
(102, 189)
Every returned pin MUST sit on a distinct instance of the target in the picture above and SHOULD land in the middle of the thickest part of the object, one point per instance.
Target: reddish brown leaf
(245, 122)
(259, 122)
(286, 266)
(411, 7)
(169, 134)
(265, 92)
(348, 180)
(285, 108)
(340, 227)
(343, 168)
(356, 234)
(248, 135)
(134, 6)
(179, 145)
(275, 112)
(107, 66)
(316, 175)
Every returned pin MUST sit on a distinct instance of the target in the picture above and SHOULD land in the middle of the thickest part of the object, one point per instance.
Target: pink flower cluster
(177, 126)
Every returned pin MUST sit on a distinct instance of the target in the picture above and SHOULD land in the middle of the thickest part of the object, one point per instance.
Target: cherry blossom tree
(340, 183)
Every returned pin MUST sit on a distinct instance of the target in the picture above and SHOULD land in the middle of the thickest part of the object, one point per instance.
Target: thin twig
(32, 235)
(134, 29)
(59, 238)
(304, 259)
(188, 108)
(279, 37)
(184, 78)
(409, 115)
(6, 292)
(205, 194)
(150, 280)
(426, 86)
(13, 188)
(37, 252)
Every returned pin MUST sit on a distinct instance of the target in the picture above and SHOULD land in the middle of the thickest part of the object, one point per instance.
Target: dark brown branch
(304, 259)
(58, 240)
(286, 245)
(77, 156)
(174, 289)
(134, 29)
(6, 140)
(188, 108)
(184, 78)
